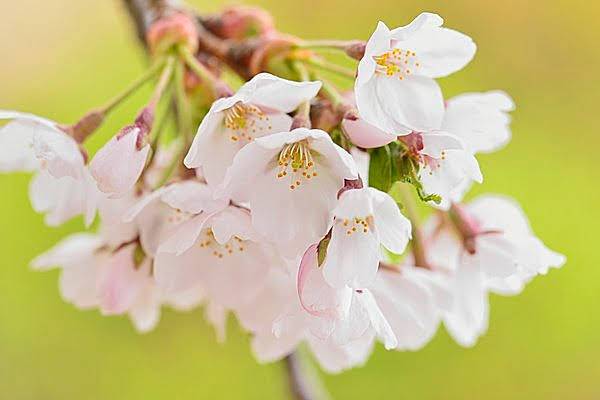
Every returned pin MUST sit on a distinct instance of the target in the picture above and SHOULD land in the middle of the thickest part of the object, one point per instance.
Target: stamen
(245, 121)
(397, 63)
(357, 225)
(220, 251)
(297, 157)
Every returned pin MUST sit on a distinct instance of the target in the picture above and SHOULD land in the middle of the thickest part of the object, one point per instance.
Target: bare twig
(304, 384)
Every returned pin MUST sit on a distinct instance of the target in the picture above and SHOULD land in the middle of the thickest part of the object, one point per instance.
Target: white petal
(481, 120)
(398, 106)
(70, 251)
(185, 236)
(439, 51)
(393, 228)
(276, 93)
(378, 321)
(469, 318)
(352, 259)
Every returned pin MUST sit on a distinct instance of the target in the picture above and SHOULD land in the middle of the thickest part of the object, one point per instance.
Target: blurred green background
(62, 57)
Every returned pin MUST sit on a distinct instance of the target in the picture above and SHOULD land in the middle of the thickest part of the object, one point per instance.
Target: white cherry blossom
(290, 181)
(62, 187)
(365, 219)
(395, 89)
(259, 108)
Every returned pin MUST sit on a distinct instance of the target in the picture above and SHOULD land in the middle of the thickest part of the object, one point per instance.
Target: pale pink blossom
(117, 166)
(62, 187)
(259, 108)
(365, 220)
(497, 251)
(290, 181)
(395, 89)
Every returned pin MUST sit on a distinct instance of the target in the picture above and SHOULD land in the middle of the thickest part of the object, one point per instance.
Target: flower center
(415, 146)
(358, 225)
(246, 121)
(296, 161)
(397, 62)
(235, 244)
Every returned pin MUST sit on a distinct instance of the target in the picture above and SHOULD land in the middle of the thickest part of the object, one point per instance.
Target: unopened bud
(241, 22)
(351, 185)
(171, 30)
(356, 49)
(85, 126)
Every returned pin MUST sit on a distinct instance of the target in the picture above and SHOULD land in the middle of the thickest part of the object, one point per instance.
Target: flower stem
(303, 383)
(220, 88)
(184, 112)
(325, 44)
(318, 63)
(418, 240)
(133, 87)
(163, 82)
(302, 116)
(331, 93)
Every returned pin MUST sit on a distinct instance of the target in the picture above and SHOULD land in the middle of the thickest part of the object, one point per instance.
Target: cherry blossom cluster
(294, 205)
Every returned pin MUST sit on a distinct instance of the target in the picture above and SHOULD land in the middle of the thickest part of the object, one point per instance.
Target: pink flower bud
(117, 166)
(240, 22)
(178, 28)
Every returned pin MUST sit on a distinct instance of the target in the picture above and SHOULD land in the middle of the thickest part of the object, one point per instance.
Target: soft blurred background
(62, 57)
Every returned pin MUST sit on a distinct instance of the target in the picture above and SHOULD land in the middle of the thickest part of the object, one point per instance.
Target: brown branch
(145, 12)
(304, 385)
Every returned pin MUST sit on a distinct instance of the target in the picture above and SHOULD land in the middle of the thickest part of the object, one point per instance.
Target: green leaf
(380, 169)
(322, 249)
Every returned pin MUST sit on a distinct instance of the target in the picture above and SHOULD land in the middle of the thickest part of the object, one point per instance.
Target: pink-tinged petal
(439, 51)
(499, 213)
(422, 21)
(217, 316)
(362, 161)
(268, 348)
(408, 306)
(77, 285)
(192, 197)
(335, 358)
(120, 282)
(210, 123)
(352, 258)
(469, 317)
(60, 199)
(71, 250)
(378, 43)
(17, 139)
(378, 320)
(145, 313)
(316, 296)
(480, 120)
(58, 152)
(117, 166)
(435, 144)
(232, 222)
(177, 274)
(270, 91)
(399, 106)
(495, 255)
(185, 236)
(393, 228)
(365, 135)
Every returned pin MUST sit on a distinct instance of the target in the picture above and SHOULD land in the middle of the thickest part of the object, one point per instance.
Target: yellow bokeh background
(62, 57)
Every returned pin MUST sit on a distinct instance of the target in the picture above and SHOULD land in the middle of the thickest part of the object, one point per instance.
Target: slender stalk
(184, 112)
(418, 240)
(324, 65)
(303, 383)
(302, 116)
(163, 82)
(325, 44)
(133, 87)
(331, 93)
